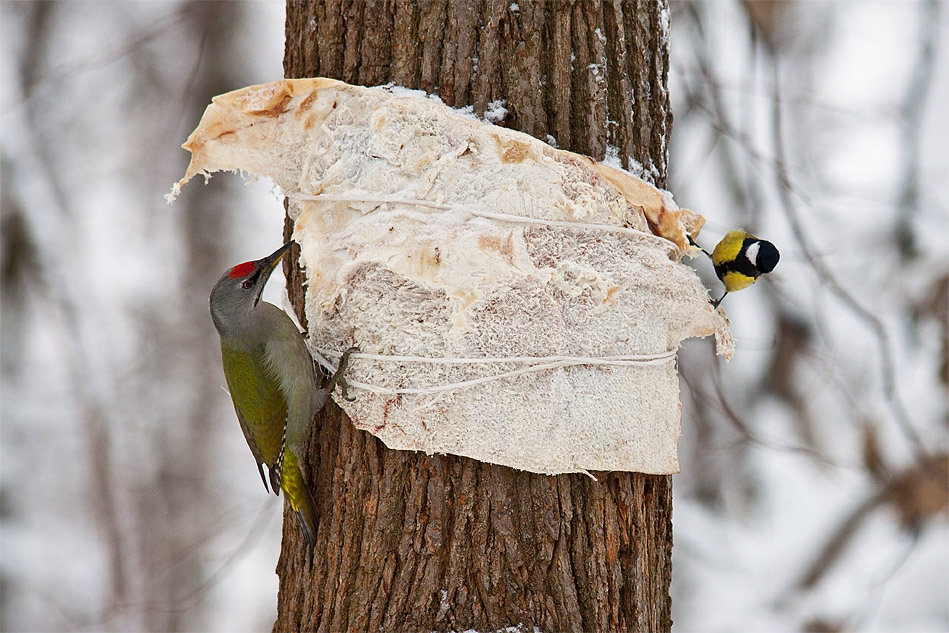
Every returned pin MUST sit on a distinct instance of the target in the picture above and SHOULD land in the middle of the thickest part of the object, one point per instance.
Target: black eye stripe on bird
(270, 376)
(740, 259)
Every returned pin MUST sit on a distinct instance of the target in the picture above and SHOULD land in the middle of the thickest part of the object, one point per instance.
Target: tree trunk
(411, 542)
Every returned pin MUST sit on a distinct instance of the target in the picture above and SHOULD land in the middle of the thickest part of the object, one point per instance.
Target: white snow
(748, 517)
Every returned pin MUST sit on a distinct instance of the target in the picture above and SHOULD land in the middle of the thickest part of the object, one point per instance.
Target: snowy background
(814, 475)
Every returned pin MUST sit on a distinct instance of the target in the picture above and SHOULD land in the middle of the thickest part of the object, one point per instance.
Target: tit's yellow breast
(736, 281)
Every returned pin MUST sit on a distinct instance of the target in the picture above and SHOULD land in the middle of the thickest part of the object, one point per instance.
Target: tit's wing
(260, 406)
(727, 249)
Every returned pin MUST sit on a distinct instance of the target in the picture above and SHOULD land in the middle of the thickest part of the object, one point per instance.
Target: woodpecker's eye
(247, 285)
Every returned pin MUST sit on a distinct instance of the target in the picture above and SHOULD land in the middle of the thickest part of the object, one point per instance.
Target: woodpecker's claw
(344, 390)
(338, 378)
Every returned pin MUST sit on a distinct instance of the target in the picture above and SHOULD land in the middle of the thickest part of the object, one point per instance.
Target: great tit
(740, 258)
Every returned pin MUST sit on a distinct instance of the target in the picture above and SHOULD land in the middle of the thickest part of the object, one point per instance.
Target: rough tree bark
(412, 542)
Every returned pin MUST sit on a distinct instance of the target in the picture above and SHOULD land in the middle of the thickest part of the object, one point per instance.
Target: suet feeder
(512, 302)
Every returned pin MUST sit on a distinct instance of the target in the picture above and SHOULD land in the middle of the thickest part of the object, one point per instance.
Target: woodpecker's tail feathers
(298, 495)
(309, 535)
(306, 517)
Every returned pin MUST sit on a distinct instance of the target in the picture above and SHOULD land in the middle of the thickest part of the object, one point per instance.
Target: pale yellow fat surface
(407, 279)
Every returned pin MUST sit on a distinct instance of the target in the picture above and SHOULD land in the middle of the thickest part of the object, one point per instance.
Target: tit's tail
(296, 492)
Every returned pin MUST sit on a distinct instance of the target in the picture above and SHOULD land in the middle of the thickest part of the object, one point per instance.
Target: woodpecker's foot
(338, 378)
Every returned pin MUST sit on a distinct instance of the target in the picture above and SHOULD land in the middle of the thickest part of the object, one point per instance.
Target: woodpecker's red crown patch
(242, 270)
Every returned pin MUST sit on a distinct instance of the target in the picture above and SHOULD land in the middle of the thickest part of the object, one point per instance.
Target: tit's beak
(267, 266)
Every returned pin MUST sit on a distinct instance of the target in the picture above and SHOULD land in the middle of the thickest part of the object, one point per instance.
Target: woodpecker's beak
(267, 266)
(270, 262)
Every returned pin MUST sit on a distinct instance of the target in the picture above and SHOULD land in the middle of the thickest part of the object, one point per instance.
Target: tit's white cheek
(751, 253)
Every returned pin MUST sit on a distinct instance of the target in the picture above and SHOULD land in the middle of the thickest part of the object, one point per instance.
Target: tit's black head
(768, 257)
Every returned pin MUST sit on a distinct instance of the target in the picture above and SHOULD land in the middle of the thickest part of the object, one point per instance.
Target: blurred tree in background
(819, 455)
(813, 485)
(119, 508)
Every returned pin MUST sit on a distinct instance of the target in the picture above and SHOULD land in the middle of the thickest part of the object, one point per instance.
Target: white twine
(537, 365)
(504, 217)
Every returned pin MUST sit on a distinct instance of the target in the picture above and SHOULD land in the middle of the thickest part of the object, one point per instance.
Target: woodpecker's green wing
(260, 404)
